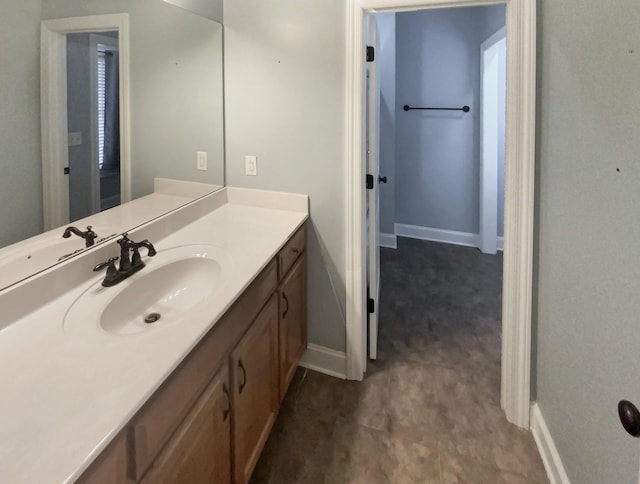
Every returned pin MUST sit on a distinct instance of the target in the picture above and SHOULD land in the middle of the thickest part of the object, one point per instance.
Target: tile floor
(428, 410)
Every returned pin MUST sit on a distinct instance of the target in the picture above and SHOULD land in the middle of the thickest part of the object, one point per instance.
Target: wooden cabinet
(200, 450)
(210, 419)
(255, 394)
(110, 467)
(292, 326)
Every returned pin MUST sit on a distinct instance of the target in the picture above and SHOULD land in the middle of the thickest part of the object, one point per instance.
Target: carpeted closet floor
(428, 410)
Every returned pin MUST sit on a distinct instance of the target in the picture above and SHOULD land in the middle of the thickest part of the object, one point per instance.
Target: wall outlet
(201, 162)
(75, 138)
(251, 165)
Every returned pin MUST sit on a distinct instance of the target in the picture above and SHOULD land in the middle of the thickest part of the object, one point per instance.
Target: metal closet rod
(466, 109)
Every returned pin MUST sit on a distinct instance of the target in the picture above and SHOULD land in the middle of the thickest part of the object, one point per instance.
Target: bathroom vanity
(189, 398)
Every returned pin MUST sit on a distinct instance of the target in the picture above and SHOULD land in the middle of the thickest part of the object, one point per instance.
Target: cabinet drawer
(159, 418)
(290, 252)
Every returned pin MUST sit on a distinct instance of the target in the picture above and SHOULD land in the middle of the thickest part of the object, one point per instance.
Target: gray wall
(20, 165)
(285, 103)
(386, 63)
(437, 152)
(588, 259)
(211, 9)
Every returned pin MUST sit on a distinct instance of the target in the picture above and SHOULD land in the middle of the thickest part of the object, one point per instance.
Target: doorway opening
(93, 121)
(85, 116)
(518, 215)
(437, 147)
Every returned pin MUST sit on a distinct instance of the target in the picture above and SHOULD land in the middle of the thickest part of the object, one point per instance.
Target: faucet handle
(124, 241)
(90, 236)
(109, 264)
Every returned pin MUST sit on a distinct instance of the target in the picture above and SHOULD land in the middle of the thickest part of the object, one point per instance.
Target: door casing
(519, 193)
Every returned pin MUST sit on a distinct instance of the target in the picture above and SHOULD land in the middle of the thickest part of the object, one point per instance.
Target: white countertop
(66, 394)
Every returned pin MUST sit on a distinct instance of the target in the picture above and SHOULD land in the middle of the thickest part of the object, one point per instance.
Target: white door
(373, 199)
(492, 122)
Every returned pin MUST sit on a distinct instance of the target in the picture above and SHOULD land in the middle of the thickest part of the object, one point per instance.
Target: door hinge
(66, 170)
(371, 306)
(371, 53)
(369, 182)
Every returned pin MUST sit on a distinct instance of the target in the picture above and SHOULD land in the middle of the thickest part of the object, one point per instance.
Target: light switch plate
(251, 165)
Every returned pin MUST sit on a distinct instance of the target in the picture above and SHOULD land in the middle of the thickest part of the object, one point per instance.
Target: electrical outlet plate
(201, 162)
(251, 165)
(75, 138)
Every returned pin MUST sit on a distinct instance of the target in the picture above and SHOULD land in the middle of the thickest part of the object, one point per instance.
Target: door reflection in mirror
(93, 121)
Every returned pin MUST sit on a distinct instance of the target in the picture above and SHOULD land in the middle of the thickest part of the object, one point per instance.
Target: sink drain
(152, 318)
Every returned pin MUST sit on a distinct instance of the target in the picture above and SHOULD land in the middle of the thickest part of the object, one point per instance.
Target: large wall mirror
(172, 117)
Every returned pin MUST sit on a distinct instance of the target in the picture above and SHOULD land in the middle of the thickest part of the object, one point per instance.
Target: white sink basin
(32, 256)
(174, 287)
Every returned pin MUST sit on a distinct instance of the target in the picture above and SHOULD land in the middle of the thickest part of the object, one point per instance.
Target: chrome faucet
(88, 235)
(130, 261)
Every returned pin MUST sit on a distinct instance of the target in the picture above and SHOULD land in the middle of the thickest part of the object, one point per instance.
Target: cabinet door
(255, 395)
(293, 321)
(200, 450)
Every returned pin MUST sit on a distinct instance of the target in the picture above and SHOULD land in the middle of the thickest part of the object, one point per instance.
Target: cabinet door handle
(227, 410)
(286, 309)
(295, 250)
(244, 376)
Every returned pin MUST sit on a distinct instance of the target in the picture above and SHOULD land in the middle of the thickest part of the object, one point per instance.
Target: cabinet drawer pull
(286, 310)
(295, 250)
(244, 376)
(227, 410)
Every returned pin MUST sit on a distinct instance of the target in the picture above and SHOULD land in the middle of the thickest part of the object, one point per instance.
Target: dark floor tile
(458, 470)
(365, 455)
(428, 409)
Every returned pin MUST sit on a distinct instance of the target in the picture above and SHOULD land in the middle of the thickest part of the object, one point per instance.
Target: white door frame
(490, 56)
(53, 102)
(519, 193)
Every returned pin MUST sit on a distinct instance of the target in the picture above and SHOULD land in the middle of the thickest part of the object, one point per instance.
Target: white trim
(325, 360)
(53, 93)
(492, 51)
(354, 223)
(438, 235)
(519, 193)
(547, 448)
(388, 240)
(466, 239)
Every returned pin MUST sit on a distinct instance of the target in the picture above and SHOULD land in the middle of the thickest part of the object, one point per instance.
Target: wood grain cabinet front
(255, 395)
(110, 466)
(200, 450)
(292, 328)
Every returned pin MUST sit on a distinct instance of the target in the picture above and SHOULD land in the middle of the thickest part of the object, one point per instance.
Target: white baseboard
(547, 448)
(439, 235)
(325, 360)
(388, 240)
